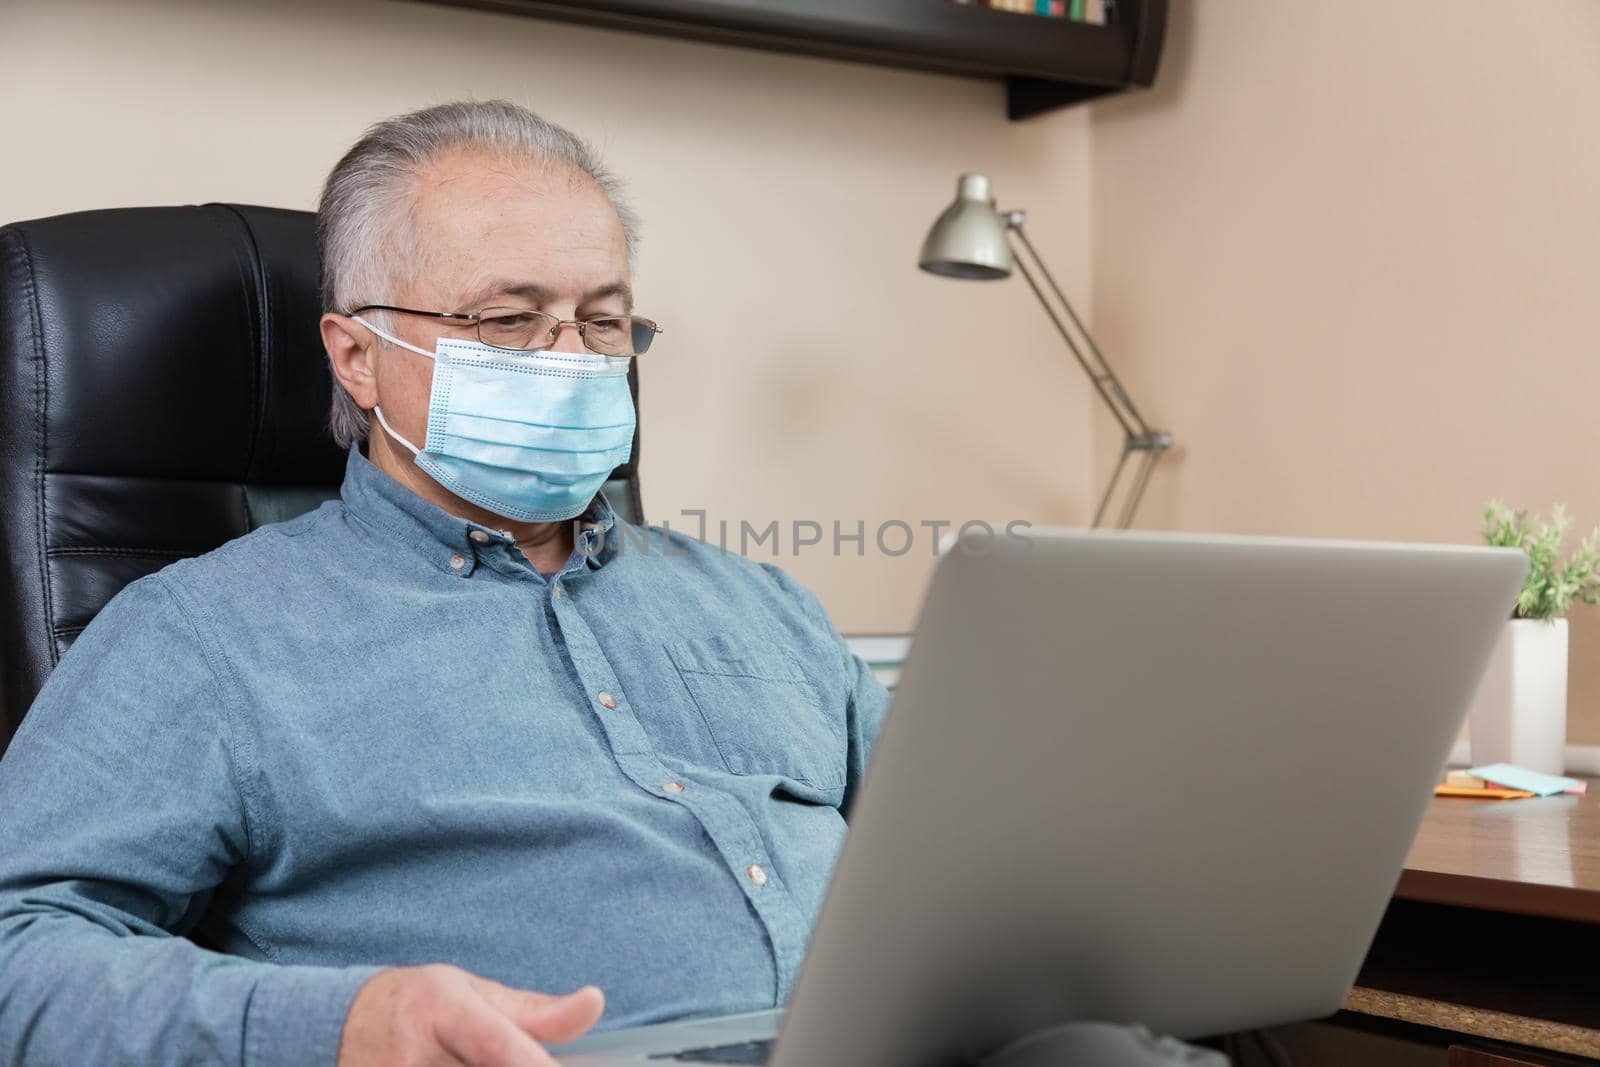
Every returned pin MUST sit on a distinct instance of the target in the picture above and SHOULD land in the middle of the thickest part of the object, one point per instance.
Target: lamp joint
(1156, 441)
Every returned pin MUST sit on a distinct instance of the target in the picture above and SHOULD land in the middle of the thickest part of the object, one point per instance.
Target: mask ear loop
(391, 338)
(378, 409)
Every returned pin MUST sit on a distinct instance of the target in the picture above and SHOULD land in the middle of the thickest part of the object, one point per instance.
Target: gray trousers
(1101, 1045)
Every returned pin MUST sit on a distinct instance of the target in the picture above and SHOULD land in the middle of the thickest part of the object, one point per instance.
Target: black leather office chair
(163, 389)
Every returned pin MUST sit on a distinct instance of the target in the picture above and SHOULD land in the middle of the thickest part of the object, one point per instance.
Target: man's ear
(350, 354)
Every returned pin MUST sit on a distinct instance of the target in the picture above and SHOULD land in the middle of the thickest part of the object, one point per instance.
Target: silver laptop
(1159, 779)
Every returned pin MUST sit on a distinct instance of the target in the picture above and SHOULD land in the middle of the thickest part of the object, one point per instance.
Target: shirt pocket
(763, 714)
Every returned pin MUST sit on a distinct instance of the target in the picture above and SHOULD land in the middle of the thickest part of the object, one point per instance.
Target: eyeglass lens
(523, 328)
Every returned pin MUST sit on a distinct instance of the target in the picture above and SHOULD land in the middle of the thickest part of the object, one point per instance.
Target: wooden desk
(1529, 857)
(1494, 930)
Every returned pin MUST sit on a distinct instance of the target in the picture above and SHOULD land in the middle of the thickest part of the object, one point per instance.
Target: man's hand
(442, 1016)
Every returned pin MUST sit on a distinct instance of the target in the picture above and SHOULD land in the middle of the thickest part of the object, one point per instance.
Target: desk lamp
(971, 240)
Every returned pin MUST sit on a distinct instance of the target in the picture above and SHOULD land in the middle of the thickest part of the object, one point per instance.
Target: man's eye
(510, 321)
(513, 329)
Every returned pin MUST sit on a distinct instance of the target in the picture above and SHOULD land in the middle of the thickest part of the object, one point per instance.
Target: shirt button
(672, 787)
(457, 561)
(757, 874)
(479, 536)
(606, 699)
(557, 592)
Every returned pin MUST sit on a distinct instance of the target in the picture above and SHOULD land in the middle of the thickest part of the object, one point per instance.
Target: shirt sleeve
(120, 814)
(867, 701)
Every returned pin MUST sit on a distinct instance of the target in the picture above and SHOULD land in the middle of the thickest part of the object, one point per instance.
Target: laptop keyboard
(742, 1052)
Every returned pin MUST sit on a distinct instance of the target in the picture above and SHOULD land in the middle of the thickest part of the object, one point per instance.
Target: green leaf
(1551, 585)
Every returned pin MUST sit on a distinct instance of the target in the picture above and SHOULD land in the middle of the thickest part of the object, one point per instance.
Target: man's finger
(478, 1035)
(553, 1019)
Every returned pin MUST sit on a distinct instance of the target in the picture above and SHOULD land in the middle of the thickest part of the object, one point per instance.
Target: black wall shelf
(1046, 63)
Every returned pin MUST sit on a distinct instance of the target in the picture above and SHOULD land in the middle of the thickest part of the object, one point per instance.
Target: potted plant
(1520, 712)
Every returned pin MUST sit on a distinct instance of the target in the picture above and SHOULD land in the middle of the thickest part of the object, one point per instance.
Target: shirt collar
(449, 542)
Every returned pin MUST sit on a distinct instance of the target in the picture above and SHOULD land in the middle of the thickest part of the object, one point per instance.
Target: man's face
(496, 232)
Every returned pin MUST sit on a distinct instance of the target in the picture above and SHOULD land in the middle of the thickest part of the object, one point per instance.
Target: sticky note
(1513, 777)
(1480, 794)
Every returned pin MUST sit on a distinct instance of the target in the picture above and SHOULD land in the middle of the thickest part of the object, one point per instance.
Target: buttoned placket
(725, 821)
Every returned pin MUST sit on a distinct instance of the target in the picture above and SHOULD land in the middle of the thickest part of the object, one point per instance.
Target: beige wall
(809, 372)
(1346, 259)
(1349, 255)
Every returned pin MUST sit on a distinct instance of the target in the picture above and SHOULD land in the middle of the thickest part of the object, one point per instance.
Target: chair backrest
(163, 389)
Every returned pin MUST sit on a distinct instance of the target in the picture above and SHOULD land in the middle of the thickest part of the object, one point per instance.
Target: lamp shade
(969, 239)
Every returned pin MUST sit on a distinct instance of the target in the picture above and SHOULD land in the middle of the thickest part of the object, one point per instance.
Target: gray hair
(364, 216)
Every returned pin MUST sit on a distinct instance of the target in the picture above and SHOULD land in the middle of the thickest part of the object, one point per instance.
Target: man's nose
(567, 339)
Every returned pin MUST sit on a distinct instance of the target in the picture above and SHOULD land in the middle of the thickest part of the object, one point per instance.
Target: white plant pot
(1520, 712)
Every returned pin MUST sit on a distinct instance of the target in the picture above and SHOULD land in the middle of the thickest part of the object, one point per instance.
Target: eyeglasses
(523, 329)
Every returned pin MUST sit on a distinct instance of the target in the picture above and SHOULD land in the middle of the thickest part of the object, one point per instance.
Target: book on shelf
(1094, 12)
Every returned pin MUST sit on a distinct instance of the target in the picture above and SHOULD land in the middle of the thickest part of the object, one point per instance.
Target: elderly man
(404, 761)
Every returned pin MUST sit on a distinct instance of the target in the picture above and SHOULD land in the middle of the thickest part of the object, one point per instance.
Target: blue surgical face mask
(530, 436)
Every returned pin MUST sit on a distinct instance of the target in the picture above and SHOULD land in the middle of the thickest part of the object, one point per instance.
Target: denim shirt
(376, 736)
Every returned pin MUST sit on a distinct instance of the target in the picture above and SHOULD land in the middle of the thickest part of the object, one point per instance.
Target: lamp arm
(1099, 371)
(1138, 436)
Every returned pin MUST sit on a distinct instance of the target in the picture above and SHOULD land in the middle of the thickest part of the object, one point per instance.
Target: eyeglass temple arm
(1137, 434)
(465, 316)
